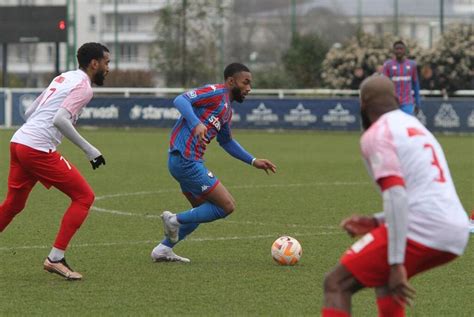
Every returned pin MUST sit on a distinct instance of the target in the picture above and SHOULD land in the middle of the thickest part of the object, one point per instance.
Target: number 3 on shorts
(65, 161)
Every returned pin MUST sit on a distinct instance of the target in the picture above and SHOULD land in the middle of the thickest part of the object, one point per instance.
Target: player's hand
(265, 165)
(359, 225)
(398, 284)
(98, 161)
(200, 131)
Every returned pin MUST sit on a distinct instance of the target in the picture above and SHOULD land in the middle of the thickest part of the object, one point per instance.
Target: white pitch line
(163, 191)
(253, 223)
(108, 244)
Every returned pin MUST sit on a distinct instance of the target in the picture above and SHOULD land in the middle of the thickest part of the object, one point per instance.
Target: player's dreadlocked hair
(89, 51)
(233, 69)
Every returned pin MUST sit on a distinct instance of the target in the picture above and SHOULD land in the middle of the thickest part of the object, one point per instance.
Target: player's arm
(29, 111)
(185, 107)
(63, 122)
(233, 147)
(395, 205)
(416, 85)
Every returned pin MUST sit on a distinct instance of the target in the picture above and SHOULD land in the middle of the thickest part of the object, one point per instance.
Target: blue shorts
(193, 177)
(408, 108)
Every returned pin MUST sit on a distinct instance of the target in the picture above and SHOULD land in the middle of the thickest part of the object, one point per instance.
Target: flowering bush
(368, 52)
(452, 58)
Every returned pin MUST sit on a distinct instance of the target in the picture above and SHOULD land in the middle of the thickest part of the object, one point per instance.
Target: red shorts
(367, 259)
(27, 166)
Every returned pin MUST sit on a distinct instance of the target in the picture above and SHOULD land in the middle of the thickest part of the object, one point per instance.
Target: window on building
(92, 23)
(128, 23)
(128, 52)
(51, 52)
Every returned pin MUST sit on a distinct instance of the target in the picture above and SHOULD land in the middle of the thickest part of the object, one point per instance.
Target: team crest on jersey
(408, 67)
(191, 94)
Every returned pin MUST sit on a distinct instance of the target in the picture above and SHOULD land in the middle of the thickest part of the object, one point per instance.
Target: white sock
(174, 220)
(161, 248)
(56, 254)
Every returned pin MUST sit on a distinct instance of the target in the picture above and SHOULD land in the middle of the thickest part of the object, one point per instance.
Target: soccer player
(206, 113)
(33, 155)
(423, 224)
(404, 74)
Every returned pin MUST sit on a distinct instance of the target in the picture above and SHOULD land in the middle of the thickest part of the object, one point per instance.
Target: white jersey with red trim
(71, 90)
(397, 144)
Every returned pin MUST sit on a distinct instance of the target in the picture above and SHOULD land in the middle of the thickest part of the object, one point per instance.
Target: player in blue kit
(403, 73)
(206, 113)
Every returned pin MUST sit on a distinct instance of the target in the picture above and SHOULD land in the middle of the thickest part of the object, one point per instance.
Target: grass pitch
(320, 180)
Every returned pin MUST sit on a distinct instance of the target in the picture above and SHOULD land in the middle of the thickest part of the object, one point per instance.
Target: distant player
(403, 73)
(33, 155)
(423, 224)
(206, 113)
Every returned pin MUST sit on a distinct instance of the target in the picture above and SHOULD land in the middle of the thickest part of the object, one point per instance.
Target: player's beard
(99, 78)
(237, 95)
(365, 120)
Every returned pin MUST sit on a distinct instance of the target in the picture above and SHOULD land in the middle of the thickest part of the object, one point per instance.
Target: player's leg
(20, 184)
(163, 251)
(364, 264)
(339, 286)
(82, 198)
(219, 204)
(196, 181)
(52, 169)
(186, 229)
(386, 303)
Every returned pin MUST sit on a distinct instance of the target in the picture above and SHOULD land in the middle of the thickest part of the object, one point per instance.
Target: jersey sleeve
(77, 98)
(204, 96)
(386, 69)
(416, 84)
(378, 149)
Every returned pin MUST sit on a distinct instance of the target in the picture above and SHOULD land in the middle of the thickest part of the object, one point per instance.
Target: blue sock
(184, 230)
(206, 212)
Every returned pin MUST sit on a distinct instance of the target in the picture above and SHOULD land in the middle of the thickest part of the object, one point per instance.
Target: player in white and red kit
(33, 155)
(423, 224)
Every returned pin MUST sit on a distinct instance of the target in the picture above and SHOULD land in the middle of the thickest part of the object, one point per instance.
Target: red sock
(72, 220)
(333, 312)
(388, 307)
(472, 214)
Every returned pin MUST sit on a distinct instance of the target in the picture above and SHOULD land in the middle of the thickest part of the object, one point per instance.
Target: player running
(206, 113)
(33, 155)
(423, 224)
(404, 74)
